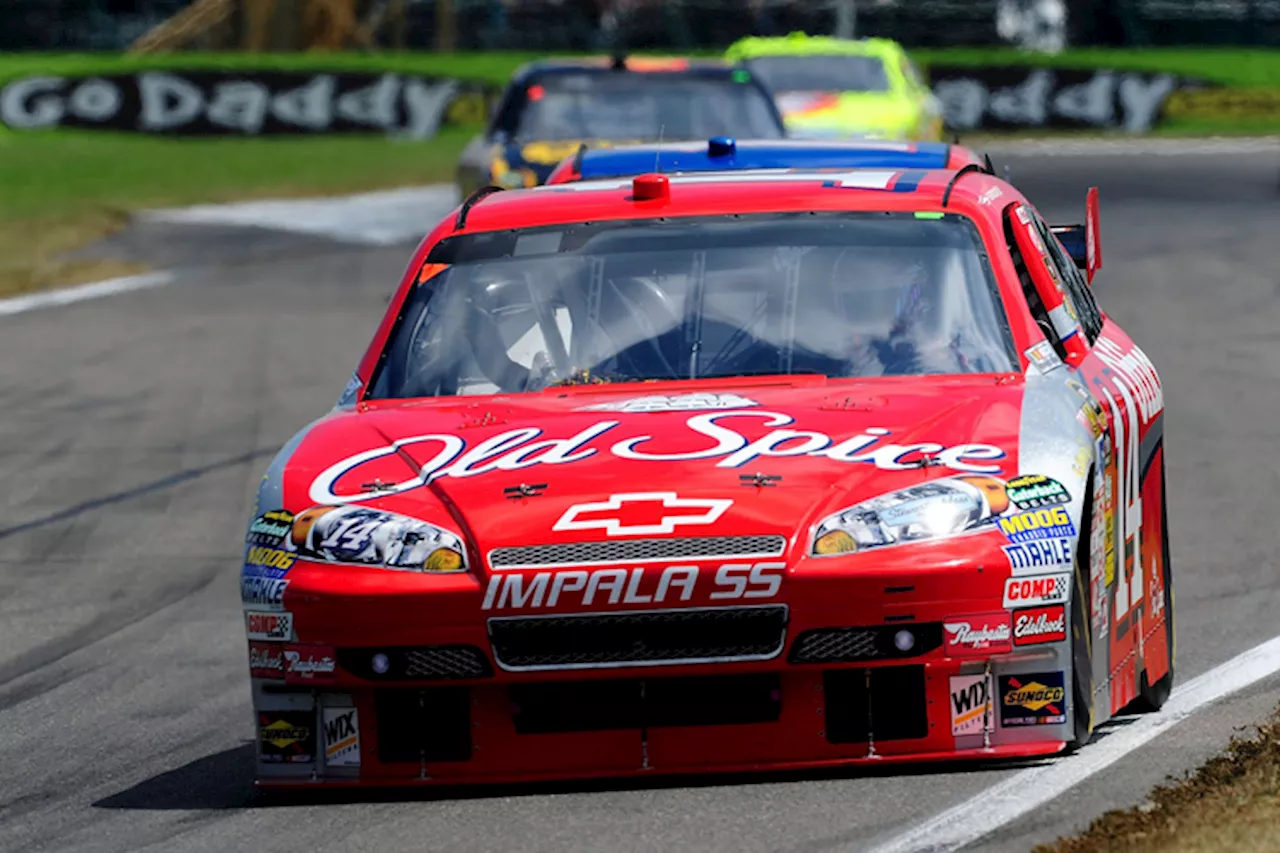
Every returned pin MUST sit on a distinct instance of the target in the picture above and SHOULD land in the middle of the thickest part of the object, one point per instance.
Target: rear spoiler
(1081, 241)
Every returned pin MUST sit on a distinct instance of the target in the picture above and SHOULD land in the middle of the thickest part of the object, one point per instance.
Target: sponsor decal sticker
(269, 558)
(367, 536)
(341, 737)
(1038, 554)
(977, 635)
(286, 737)
(260, 593)
(268, 626)
(675, 403)
(1043, 356)
(1033, 699)
(266, 660)
(971, 711)
(270, 528)
(309, 663)
(350, 392)
(642, 513)
(1037, 590)
(1030, 491)
(674, 584)
(709, 436)
(1040, 625)
(1045, 523)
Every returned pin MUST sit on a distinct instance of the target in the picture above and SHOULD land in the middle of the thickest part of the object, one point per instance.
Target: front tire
(1151, 697)
(1081, 628)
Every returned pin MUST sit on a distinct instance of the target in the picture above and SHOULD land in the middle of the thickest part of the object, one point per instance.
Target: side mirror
(1082, 241)
(1092, 236)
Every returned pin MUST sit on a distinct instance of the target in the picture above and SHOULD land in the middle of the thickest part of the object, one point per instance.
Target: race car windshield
(639, 106)
(821, 73)
(841, 295)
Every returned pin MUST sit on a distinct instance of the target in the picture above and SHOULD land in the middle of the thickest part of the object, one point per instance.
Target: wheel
(1081, 627)
(1151, 697)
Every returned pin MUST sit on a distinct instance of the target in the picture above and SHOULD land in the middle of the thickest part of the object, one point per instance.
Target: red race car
(718, 472)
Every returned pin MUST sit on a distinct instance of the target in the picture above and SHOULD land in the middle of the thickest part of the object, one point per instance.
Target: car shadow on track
(224, 780)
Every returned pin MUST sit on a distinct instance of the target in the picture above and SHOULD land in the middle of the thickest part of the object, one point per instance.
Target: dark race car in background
(550, 107)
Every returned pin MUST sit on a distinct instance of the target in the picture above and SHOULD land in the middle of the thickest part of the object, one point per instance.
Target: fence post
(846, 18)
(446, 26)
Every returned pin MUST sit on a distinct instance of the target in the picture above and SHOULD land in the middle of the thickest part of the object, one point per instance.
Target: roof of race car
(802, 44)
(642, 64)
(712, 193)
(724, 153)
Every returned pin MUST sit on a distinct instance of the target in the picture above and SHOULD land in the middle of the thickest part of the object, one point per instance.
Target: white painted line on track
(68, 295)
(1026, 790)
(377, 219)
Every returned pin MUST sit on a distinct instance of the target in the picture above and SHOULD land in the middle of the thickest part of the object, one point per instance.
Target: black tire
(1081, 628)
(1151, 697)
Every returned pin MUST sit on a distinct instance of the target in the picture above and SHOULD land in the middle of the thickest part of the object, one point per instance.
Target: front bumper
(445, 709)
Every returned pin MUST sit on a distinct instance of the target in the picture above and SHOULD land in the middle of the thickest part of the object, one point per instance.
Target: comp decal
(1033, 699)
(448, 455)
(1038, 590)
(260, 625)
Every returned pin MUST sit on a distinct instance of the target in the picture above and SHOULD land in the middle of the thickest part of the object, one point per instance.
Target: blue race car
(726, 154)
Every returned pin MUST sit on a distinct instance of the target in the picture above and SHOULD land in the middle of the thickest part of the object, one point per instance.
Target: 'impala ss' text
(596, 587)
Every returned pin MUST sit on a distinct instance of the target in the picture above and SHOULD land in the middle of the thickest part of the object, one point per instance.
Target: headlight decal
(352, 534)
(1028, 510)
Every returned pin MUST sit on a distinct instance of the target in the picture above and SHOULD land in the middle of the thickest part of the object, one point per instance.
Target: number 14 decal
(1134, 398)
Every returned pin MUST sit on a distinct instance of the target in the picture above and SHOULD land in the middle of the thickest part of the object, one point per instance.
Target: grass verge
(1230, 803)
(61, 191)
(1230, 66)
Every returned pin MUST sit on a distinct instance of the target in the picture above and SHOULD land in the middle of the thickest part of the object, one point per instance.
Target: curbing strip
(69, 295)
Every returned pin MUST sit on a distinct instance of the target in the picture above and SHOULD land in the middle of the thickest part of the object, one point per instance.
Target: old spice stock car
(723, 471)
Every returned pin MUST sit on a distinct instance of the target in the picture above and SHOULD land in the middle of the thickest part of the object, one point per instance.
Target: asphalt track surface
(133, 431)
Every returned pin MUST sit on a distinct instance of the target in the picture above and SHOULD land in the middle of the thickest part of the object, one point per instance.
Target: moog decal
(448, 455)
(580, 588)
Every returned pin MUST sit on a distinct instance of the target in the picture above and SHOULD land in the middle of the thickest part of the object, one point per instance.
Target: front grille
(641, 638)
(636, 550)
(431, 724)
(880, 703)
(834, 645)
(417, 663)
(651, 703)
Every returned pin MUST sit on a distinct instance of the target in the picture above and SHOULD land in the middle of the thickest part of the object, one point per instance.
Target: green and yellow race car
(832, 87)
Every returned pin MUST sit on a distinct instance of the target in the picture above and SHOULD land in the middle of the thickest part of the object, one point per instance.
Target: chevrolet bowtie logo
(642, 513)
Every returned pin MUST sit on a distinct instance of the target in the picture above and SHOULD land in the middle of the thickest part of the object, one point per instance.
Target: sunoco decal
(1034, 699)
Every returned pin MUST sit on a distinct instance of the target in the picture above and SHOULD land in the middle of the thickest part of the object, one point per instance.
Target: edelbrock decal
(526, 447)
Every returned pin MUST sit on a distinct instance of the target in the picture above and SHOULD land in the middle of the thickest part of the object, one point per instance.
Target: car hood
(542, 156)
(566, 465)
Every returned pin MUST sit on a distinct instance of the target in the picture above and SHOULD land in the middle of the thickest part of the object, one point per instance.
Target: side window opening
(1073, 282)
(1029, 292)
